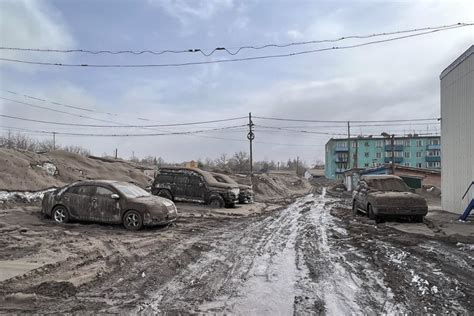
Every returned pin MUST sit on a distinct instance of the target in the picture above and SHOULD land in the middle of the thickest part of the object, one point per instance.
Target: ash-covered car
(106, 201)
(380, 196)
(194, 185)
(246, 192)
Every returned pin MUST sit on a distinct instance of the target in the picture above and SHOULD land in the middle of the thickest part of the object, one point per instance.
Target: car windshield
(131, 190)
(394, 185)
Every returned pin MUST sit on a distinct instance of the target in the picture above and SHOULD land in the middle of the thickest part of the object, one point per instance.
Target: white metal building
(457, 132)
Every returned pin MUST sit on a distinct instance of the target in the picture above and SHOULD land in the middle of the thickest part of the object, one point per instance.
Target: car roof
(380, 177)
(97, 182)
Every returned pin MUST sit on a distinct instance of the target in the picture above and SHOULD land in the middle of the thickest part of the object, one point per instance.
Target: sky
(387, 81)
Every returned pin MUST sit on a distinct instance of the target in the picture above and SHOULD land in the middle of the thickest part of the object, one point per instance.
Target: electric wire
(84, 65)
(230, 50)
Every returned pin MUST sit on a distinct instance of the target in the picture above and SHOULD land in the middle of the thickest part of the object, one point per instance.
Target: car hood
(223, 185)
(398, 198)
(244, 187)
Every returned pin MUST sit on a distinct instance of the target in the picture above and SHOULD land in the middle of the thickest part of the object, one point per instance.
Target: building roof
(316, 172)
(362, 171)
(382, 138)
(457, 62)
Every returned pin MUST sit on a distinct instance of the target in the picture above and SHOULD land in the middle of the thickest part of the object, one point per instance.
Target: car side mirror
(115, 196)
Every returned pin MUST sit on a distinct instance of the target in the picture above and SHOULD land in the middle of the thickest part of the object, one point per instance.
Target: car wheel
(418, 219)
(230, 205)
(60, 214)
(165, 194)
(354, 208)
(132, 220)
(370, 210)
(216, 201)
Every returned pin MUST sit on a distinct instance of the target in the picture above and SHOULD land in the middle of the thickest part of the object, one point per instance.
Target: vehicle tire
(165, 194)
(354, 208)
(418, 218)
(230, 205)
(370, 211)
(60, 214)
(379, 219)
(216, 201)
(132, 220)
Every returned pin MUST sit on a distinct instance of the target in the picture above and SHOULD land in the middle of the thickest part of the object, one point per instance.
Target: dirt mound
(28, 171)
(268, 187)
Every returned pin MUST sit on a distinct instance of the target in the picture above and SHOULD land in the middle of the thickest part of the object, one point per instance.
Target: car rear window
(389, 185)
(131, 190)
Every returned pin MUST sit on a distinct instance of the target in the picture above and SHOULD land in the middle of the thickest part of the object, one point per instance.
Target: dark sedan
(108, 202)
(387, 195)
(246, 192)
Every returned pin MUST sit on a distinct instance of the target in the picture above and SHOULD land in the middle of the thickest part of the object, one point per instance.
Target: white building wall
(457, 132)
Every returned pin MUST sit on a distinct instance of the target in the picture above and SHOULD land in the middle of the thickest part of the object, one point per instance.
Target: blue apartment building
(366, 152)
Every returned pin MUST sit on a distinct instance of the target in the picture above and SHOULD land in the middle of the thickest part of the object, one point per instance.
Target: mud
(309, 257)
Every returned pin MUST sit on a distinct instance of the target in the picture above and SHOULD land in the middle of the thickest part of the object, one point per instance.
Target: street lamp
(392, 141)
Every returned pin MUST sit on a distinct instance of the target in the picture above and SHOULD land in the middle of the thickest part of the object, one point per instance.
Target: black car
(194, 185)
(108, 202)
(386, 195)
(246, 192)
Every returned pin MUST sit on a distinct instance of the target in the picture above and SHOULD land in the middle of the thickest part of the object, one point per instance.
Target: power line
(117, 126)
(228, 60)
(125, 135)
(342, 122)
(229, 49)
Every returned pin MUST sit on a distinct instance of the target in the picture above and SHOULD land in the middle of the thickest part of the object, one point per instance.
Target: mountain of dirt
(29, 171)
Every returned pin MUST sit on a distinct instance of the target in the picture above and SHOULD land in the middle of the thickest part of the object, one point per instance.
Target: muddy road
(309, 257)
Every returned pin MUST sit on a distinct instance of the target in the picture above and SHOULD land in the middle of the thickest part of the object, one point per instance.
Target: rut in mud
(311, 256)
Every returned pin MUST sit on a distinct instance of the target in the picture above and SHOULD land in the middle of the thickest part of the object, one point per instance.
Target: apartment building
(365, 152)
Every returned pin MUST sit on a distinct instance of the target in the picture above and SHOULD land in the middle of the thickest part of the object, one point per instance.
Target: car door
(104, 208)
(195, 188)
(77, 199)
(180, 183)
(362, 195)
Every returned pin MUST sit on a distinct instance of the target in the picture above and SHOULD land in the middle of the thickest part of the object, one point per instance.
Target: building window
(396, 154)
(354, 145)
(433, 153)
(379, 144)
(434, 141)
(419, 143)
(366, 165)
(407, 164)
(419, 154)
(366, 144)
(406, 143)
(341, 145)
(435, 164)
(398, 142)
(406, 154)
(366, 154)
(378, 155)
(418, 165)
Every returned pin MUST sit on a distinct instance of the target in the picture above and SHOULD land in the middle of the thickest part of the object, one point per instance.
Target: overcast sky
(395, 80)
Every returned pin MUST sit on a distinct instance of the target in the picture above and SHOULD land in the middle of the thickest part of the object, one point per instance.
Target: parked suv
(246, 192)
(194, 185)
(383, 195)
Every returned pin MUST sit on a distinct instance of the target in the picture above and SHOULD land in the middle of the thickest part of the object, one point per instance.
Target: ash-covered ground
(311, 256)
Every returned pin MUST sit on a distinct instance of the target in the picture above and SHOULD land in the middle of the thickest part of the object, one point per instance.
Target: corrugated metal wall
(457, 135)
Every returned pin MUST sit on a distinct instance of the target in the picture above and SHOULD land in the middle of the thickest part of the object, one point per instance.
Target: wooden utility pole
(297, 164)
(392, 143)
(116, 152)
(54, 140)
(348, 145)
(251, 137)
(356, 155)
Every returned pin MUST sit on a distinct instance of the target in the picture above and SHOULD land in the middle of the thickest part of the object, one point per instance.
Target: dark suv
(246, 192)
(194, 185)
(384, 195)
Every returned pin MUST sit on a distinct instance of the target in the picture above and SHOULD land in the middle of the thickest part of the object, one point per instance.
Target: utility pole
(251, 137)
(54, 140)
(297, 164)
(356, 155)
(348, 145)
(116, 152)
(392, 143)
